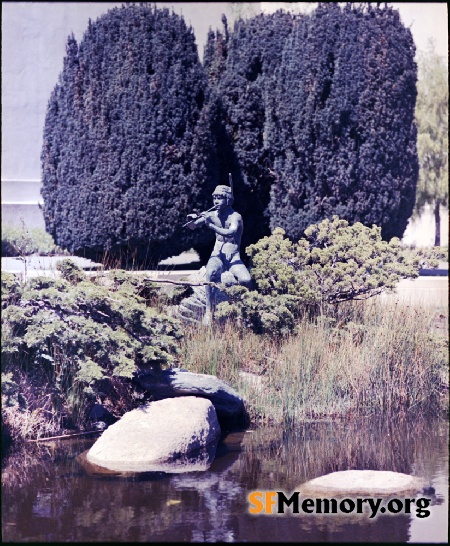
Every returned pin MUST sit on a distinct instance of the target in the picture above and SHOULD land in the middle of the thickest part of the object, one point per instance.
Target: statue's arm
(194, 221)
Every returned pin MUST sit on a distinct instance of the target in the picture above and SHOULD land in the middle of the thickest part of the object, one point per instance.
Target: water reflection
(49, 496)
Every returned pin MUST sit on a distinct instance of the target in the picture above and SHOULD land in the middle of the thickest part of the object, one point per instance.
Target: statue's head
(224, 191)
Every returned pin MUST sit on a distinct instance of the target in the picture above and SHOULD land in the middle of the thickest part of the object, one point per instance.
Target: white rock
(171, 435)
(362, 482)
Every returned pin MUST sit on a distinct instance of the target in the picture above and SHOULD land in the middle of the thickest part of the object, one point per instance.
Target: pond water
(49, 495)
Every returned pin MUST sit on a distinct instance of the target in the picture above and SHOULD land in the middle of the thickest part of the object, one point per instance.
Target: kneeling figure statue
(225, 257)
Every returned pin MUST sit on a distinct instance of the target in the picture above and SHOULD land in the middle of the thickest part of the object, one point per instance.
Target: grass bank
(379, 357)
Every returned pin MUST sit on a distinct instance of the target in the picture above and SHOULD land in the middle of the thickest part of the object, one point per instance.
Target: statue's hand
(192, 222)
(208, 218)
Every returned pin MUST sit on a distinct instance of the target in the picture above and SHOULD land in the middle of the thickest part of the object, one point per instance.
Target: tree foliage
(342, 129)
(240, 65)
(334, 263)
(78, 339)
(126, 139)
(312, 114)
(432, 138)
(318, 115)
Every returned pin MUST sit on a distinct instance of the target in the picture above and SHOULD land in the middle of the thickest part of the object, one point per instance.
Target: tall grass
(376, 357)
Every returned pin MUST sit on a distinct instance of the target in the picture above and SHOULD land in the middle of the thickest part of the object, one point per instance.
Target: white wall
(421, 231)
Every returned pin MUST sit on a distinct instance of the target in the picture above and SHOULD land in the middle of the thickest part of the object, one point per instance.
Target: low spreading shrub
(21, 241)
(76, 341)
(334, 263)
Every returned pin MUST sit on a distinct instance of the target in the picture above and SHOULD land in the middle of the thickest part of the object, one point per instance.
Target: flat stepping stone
(362, 482)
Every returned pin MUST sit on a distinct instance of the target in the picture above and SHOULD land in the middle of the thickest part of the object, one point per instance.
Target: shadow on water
(48, 495)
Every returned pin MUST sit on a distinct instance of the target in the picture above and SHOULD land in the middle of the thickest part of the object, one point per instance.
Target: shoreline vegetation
(383, 357)
(389, 358)
(74, 342)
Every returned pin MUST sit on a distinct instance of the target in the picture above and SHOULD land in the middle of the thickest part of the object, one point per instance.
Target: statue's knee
(213, 275)
(244, 278)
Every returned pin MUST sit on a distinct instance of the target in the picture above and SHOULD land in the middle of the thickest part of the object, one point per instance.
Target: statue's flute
(197, 216)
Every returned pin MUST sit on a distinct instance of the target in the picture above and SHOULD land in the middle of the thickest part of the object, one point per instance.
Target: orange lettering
(270, 501)
(255, 500)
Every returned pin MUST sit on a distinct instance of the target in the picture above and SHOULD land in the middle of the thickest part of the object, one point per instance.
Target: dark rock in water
(99, 414)
(429, 491)
(174, 382)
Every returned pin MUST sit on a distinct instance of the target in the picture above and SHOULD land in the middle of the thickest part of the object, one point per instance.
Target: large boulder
(173, 435)
(174, 382)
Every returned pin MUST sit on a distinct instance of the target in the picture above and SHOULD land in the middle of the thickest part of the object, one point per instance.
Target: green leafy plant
(82, 340)
(334, 263)
(19, 241)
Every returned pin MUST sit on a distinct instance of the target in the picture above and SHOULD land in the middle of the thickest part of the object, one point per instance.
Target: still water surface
(50, 495)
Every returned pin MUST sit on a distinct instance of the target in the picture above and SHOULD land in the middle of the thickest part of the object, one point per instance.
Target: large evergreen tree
(241, 65)
(127, 150)
(342, 127)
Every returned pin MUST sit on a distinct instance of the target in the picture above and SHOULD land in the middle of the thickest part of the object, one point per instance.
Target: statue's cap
(224, 190)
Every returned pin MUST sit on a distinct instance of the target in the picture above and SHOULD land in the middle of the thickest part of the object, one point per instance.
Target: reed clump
(377, 357)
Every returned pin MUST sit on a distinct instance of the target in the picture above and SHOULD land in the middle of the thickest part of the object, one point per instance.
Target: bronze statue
(225, 257)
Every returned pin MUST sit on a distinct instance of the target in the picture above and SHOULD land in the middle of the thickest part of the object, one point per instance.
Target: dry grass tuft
(376, 357)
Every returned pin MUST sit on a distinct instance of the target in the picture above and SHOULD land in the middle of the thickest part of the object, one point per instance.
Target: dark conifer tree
(126, 151)
(241, 65)
(342, 132)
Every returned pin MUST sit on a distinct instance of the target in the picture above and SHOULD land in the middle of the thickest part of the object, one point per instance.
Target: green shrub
(79, 340)
(127, 150)
(70, 271)
(333, 264)
(10, 289)
(21, 241)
